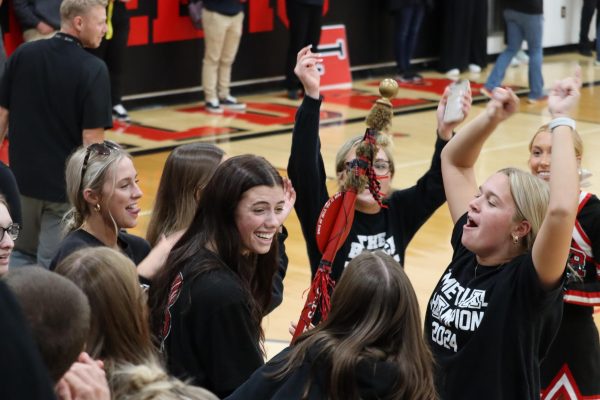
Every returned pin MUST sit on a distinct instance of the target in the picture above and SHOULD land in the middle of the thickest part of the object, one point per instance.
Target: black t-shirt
(134, 247)
(489, 329)
(525, 6)
(53, 89)
(211, 337)
(390, 230)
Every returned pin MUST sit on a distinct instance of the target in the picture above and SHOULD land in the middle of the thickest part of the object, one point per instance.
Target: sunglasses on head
(102, 149)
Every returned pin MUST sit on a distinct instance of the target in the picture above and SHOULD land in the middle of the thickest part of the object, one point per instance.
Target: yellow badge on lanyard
(109, 14)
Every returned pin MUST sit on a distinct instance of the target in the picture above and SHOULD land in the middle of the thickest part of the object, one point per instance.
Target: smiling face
(490, 222)
(539, 157)
(92, 27)
(256, 217)
(6, 244)
(364, 200)
(122, 201)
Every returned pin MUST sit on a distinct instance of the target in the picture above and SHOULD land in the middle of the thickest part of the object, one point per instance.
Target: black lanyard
(68, 38)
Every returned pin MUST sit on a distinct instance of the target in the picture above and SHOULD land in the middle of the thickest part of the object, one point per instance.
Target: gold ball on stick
(388, 88)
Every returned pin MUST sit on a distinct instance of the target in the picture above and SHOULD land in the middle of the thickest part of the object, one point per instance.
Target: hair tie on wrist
(561, 121)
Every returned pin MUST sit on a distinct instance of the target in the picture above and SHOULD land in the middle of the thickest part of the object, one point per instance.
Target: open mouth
(4, 258)
(470, 223)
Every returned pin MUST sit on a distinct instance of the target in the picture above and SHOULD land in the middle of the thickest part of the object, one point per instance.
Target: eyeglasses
(103, 149)
(381, 167)
(13, 231)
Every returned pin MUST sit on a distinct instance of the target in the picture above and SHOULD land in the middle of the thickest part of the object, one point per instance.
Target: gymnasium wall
(165, 51)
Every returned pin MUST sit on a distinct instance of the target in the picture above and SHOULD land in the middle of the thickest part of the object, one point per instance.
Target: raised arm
(460, 154)
(551, 247)
(305, 166)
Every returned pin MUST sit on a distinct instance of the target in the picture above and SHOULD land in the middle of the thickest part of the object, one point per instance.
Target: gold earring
(515, 239)
(97, 207)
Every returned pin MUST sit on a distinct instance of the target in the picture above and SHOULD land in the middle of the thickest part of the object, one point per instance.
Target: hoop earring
(97, 207)
(515, 239)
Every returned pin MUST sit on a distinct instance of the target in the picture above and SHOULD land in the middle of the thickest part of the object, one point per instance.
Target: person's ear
(521, 230)
(91, 197)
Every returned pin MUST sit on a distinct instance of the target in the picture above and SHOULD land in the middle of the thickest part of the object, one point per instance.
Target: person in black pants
(587, 13)
(464, 36)
(112, 51)
(305, 18)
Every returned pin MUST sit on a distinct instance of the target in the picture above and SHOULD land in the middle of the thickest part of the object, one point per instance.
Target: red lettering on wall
(260, 16)
(170, 26)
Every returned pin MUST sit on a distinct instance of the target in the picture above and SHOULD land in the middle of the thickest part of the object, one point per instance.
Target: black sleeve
(230, 352)
(8, 187)
(420, 201)
(97, 111)
(277, 294)
(25, 15)
(307, 173)
(24, 375)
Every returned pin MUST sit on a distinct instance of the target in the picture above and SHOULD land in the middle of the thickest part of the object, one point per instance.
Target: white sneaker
(453, 73)
(522, 57)
(213, 107)
(231, 103)
(514, 62)
(474, 68)
(120, 113)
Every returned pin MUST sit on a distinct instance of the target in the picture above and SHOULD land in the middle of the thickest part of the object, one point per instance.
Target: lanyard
(68, 38)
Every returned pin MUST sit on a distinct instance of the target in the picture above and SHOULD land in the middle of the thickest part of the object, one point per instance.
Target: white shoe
(119, 112)
(522, 57)
(514, 62)
(453, 73)
(213, 107)
(474, 68)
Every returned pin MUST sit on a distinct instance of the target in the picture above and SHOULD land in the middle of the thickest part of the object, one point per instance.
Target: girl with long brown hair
(370, 347)
(208, 301)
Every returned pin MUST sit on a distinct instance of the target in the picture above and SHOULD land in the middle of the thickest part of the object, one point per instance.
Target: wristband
(561, 121)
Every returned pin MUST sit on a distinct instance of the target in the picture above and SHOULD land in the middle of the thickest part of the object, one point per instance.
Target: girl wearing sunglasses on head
(102, 187)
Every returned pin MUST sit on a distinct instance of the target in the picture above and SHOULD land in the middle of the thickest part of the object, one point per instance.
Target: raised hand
(306, 70)
(502, 105)
(289, 197)
(564, 95)
(445, 129)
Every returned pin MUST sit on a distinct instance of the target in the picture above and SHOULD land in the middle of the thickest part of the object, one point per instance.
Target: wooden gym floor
(265, 129)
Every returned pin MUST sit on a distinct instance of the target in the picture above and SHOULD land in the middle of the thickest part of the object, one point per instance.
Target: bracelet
(561, 121)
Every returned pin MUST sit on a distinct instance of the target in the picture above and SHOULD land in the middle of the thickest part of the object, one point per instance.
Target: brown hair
(119, 330)
(185, 175)
(214, 226)
(374, 315)
(58, 314)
